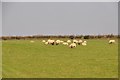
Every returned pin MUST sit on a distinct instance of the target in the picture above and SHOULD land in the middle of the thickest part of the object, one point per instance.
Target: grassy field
(22, 59)
(0, 59)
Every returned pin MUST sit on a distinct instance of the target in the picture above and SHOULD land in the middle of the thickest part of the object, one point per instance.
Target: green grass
(22, 59)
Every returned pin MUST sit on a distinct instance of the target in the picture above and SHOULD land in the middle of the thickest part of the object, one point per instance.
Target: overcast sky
(59, 18)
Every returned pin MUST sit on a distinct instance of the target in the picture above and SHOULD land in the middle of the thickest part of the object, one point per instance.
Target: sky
(59, 18)
(60, 0)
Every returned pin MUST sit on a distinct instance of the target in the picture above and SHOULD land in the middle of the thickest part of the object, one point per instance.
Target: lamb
(72, 45)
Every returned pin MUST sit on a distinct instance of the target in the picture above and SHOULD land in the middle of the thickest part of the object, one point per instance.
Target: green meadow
(23, 59)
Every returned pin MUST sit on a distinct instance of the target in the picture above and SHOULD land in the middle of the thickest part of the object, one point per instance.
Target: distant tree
(86, 37)
(118, 36)
(79, 36)
(99, 36)
(71, 37)
(110, 36)
(91, 37)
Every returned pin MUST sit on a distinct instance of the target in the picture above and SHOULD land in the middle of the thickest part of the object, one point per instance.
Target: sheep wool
(32, 41)
(84, 44)
(72, 45)
(69, 41)
(111, 41)
(43, 41)
(75, 41)
(65, 43)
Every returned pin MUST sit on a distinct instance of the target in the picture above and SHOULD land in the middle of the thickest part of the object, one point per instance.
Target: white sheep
(84, 44)
(32, 41)
(61, 41)
(46, 43)
(43, 41)
(75, 41)
(58, 42)
(65, 43)
(51, 41)
(72, 45)
(85, 41)
(79, 42)
(68, 41)
(111, 41)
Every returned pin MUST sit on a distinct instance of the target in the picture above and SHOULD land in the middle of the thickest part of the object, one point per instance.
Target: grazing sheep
(68, 41)
(57, 42)
(61, 41)
(72, 45)
(46, 43)
(43, 41)
(51, 41)
(65, 43)
(32, 41)
(75, 41)
(79, 42)
(111, 41)
(84, 43)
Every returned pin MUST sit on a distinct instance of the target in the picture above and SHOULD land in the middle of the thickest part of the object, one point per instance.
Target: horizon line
(61, 35)
(60, 0)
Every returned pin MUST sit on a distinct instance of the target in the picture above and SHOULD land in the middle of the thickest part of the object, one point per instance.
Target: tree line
(59, 36)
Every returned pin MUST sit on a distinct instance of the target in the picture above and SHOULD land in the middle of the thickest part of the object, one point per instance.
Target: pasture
(23, 59)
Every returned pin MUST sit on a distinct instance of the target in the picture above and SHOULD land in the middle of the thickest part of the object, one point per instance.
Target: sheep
(51, 41)
(32, 41)
(61, 41)
(57, 42)
(46, 43)
(111, 41)
(72, 45)
(84, 43)
(68, 41)
(79, 42)
(43, 41)
(65, 43)
(75, 41)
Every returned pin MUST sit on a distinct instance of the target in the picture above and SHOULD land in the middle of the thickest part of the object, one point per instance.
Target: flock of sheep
(70, 43)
